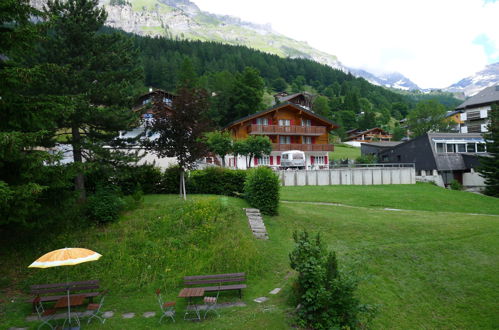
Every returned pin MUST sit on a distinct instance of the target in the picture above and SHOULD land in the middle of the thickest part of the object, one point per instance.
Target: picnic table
(190, 293)
(68, 302)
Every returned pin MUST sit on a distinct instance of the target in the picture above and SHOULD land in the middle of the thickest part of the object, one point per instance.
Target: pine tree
(247, 94)
(100, 79)
(29, 189)
(490, 165)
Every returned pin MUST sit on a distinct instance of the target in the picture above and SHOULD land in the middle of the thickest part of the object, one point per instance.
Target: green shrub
(455, 185)
(261, 190)
(325, 294)
(216, 180)
(366, 159)
(104, 206)
(145, 178)
(170, 179)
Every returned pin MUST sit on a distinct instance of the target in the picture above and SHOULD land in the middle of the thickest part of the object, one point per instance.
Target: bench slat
(225, 287)
(215, 281)
(55, 298)
(72, 288)
(65, 285)
(201, 277)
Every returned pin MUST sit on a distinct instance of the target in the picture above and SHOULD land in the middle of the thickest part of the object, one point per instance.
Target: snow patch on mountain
(477, 82)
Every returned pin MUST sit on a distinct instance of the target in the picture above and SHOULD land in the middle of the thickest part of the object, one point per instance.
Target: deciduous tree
(219, 143)
(428, 116)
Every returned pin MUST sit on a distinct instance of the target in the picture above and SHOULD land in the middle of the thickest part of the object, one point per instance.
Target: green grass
(344, 151)
(421, 196)
(425, 270)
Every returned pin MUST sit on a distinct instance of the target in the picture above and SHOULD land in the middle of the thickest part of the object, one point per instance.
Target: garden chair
(211, 303)
(44, 315)
(168, 308)
(95, 309)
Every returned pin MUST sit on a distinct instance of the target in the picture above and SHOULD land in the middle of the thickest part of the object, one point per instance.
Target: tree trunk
(78, 158)
(180, 193)
(183, 185)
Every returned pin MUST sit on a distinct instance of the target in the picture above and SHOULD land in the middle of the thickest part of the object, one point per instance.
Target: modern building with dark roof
(375, 148)
(452, 156)
(475, 110)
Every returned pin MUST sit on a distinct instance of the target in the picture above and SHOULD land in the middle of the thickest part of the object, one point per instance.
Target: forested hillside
(218, 64)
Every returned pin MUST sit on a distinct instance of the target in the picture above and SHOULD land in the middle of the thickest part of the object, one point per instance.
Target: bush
(326, 295)
(455, 185)
(104, 206)
(170, 180)
(145, 178)
(366, 159)
(216, 180)
(261, 190)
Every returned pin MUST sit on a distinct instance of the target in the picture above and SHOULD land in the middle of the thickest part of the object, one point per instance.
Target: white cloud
(431, 42)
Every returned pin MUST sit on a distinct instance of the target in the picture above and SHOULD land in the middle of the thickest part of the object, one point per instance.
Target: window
(265, 160)
(440, 147)
(470, 147)
(461, 147)
(307, 140)
(450, 148)
(297, 156)
(306, 122)
(320, 160)
(284, 122)
(146, 101)
(285, 156)
(285, 139)
(262, 121)
(480, 147)
(167, 101)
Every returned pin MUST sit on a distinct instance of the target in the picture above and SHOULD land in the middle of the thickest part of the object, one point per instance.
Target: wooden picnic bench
(55, 291)
(225, 282)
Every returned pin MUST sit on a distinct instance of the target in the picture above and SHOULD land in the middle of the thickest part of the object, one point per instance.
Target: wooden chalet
(290, 127)
(303, 98)
(370, 135)
(153, 102)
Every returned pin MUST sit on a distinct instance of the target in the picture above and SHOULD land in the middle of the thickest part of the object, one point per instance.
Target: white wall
(349, 176)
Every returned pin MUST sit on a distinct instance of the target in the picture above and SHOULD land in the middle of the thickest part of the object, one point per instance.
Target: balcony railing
(302, 147)
(287, 130)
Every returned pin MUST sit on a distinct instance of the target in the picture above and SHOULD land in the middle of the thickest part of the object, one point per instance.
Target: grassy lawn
(344, 151)
(424, 269)
(421, 196)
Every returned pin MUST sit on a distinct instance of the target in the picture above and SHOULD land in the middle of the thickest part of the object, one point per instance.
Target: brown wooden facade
(154, 101)
(289, 127)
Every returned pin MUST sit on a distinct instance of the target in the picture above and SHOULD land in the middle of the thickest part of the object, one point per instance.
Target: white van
(293, 159)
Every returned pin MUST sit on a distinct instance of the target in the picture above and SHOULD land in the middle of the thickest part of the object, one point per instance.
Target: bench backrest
(63, 287)
(214, 279)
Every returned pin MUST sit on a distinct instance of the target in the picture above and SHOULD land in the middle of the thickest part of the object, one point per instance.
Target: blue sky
(435, 43)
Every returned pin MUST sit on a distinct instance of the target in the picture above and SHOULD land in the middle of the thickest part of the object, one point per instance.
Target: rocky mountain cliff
(183, 19)
(475, 83)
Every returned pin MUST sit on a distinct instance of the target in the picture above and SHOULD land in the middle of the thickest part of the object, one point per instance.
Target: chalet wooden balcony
(286, 130)
(302, 147)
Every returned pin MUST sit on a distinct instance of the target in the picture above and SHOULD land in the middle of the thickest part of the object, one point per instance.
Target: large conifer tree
(490, 165)
(28, 120)
(101, 77)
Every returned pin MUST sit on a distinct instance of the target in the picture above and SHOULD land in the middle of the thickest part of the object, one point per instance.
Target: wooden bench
(53, 292)
(225, 282)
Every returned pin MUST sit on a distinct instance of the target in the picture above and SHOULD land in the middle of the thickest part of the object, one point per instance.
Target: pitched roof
(359, 133)
(486, 96)
(281, 105)
(292, 96)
